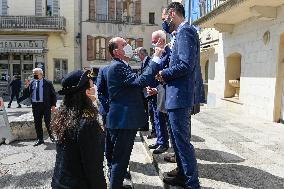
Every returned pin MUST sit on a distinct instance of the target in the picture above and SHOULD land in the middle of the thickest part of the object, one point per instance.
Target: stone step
(142, 170)
(161, 167)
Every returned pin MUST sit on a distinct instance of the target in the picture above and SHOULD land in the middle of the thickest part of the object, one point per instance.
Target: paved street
(233, 151)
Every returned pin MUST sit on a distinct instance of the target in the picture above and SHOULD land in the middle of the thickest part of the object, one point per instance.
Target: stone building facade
(242, 56)
(38, 33)
(134, 20)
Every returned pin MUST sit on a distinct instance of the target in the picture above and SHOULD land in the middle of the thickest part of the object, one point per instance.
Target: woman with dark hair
(79, 158)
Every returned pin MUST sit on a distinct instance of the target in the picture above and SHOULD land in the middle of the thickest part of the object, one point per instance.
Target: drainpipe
(81, 32)
(188, 10)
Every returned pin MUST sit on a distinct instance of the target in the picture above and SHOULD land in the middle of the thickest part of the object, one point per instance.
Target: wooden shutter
(139, 42)
(92, 9)
(119, 11)
(38, 8)
(111, 9)
(137, 15)
(4, 7)
(108, 56)
(90, 48)
(55, 8)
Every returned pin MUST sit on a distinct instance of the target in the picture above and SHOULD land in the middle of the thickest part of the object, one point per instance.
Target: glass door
(16, 69)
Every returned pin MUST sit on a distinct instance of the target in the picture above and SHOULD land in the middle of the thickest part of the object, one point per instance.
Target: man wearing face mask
(183, 80)
(44, 100)
(126, 113)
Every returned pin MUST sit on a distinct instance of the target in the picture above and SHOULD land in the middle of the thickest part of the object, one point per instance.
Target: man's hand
(158, 51)
(53, 109)
(151, 91)
(159, 77)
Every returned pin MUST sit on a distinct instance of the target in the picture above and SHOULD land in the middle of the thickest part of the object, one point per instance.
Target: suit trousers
(180, 131)
(14, 94)
(40, 111)
(122, 141)
(162, 129)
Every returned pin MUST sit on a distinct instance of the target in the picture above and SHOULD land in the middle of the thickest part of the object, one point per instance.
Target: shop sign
(22, 44)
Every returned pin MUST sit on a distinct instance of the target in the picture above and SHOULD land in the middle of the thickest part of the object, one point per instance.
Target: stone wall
(259, 65)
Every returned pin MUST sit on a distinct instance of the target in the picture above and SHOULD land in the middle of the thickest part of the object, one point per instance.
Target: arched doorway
(233, 76)
(279, 88)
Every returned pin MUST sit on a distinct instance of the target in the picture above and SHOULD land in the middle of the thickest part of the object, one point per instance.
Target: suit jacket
(183, 77)
(126, 109)
(49, 95)
(102, 90)
(16, 86)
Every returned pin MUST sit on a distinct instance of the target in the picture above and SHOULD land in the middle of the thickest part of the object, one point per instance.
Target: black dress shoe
(174, 181)
(160, 149)
(19, 106)
(153, 146)
(39, 142)
(152, 135)
(52, 139)
(173, 173)
(170, 158)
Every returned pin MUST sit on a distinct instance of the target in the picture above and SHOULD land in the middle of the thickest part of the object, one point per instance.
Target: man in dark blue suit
(182, 93)
(149, 102)
(126, 112)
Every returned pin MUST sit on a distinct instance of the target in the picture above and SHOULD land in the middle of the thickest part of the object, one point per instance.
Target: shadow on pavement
(146, 169)
(17, 144)
(217, 156)
(239, 175)
(50, 146)
(145, 186)
(195, 138)
(26, 180)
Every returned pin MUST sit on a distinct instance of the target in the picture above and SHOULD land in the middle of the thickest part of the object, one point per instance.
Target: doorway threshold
(234, 100)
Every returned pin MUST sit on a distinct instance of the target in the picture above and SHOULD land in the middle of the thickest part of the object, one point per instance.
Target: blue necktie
(37, 91)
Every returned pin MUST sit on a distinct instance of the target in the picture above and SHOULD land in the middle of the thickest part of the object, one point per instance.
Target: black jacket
(49, 95)
(16, 86)
(79, 161)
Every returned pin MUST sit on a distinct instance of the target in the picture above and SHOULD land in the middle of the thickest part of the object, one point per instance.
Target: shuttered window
(3, 7)
(90, 48)
(137, 15)
(100, 43)
(38, 7)
(55, 8)
(92, 9)
(111, 9)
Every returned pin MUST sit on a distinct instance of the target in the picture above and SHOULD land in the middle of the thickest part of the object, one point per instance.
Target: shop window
(4, 56)
(4, 66)
(60, 69)
(28, 57)
(16, 57)
(100, 43)
(151, 18)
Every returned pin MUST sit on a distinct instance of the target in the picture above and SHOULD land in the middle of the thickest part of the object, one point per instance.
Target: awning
(30, 51)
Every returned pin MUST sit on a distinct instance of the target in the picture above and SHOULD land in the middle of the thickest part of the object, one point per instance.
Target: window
(4, 56)
(28, 57)
(100, 43)
(132, 43)
(52, 7)
(60, 69)
(151, 18)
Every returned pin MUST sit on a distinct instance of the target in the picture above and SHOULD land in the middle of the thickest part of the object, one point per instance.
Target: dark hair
(177, 7)
(111, 46)
(68, 116)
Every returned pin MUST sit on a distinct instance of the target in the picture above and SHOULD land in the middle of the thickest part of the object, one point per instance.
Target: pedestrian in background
(15, 86)
(79, 158)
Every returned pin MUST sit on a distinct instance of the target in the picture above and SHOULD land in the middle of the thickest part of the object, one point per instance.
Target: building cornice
(228, 5)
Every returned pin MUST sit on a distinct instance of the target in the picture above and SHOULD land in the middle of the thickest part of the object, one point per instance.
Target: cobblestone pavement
(233, 151)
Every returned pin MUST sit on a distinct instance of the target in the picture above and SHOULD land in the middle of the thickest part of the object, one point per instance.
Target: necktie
(37, 91)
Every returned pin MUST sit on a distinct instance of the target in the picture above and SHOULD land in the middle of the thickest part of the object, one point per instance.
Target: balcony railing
(118, 19)
(206, 6)
(32, 23)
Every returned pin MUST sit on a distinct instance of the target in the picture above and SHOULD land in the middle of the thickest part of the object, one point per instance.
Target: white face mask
(128, 51)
